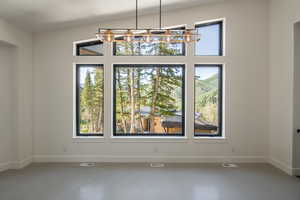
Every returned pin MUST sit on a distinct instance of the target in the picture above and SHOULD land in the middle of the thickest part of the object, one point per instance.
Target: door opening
(296, 100)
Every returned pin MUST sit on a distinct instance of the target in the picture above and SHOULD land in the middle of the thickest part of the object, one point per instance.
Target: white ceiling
(39, 15)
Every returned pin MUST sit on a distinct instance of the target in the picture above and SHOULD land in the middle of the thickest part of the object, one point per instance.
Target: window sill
(212, 140)
(88, 139)
(128, 139)
(145, 139)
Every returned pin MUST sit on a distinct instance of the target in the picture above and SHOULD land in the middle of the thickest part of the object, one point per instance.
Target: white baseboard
(296, 171)
(15, 164)
(4, 166)
(173, 159)
(21, 164)
(281, 165)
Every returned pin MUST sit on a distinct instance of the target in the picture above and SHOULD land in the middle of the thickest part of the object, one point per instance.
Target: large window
(89, 100)
(148, 100)
(211, 42)
(154, 48)
(208, 100)
(91, 48)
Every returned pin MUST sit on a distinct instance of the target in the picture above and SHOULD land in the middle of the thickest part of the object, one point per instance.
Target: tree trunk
(138, 102)
(123, 119)
(100, 119)
(132, 102)
(156, 82)
(91, 122)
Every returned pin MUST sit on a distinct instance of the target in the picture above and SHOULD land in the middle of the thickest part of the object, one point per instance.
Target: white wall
(259, 100)
(257, 117)
(19, 76)
(283, 15)
(246, 92)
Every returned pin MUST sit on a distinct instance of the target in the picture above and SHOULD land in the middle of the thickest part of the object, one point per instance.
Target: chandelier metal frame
(161, 35)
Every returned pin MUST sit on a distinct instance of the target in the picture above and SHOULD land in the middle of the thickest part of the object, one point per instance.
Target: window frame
(184, 46)
(79, 44)
(149, 135)
(77, 101)
(220, 133)
(221, 23)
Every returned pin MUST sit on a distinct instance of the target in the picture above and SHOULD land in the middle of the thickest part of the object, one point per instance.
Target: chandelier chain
(136, 14)
(159, 14)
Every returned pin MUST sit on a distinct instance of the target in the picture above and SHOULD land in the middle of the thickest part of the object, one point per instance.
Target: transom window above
(154, 48)
(90, 48)
(148, 100)
(211, 42)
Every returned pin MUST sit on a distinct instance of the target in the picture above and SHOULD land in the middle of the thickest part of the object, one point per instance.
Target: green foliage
(91, 102)
(144, 48)
(155, 88)
(87, 92)
(206, 98)
(158, 89)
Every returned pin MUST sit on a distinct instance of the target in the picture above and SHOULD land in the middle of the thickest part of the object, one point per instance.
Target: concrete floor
(139, 182)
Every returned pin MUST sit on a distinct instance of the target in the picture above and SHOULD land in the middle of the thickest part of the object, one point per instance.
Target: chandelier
(148, 35)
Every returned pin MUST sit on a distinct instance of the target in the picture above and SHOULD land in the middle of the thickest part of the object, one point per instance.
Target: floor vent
(229, 165)
(157, 165)
(87, 164)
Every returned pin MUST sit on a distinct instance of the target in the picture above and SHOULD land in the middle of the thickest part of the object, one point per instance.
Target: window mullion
(108, 90)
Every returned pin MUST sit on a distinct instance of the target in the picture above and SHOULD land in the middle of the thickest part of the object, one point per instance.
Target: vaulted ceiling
(39, 15)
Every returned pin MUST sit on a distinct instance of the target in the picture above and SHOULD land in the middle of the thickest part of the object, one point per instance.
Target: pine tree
(98, 100)
(132, 99)
(160, 92)
(139, 99)
(154, 96)
(87, 100)
(121, 100)
(165, 81)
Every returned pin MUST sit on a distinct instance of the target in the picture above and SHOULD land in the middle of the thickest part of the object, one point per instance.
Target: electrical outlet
(232, 149)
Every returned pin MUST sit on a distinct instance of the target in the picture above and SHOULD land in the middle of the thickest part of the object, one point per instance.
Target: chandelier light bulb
(128, 37)
(148, 36)
(187, 36)
(108, 36)
(168, 36)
